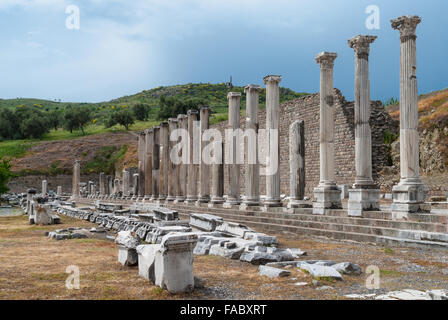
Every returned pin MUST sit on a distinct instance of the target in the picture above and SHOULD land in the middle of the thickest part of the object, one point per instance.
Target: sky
(125, 46)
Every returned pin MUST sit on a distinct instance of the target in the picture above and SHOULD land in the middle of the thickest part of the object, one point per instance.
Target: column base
(170, 198)
(272, 202)
(252, 206)
(216, 201)
(361, 200)
(251, 201)
(297, 204)
(326, 198)
(409, 197)
(231, 203)
(191, 199)
(179, 199)
(203, 199)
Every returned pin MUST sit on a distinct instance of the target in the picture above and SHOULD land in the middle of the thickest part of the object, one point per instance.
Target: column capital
(77, 162)
(192, 112)
(252, 87)
(233, 95)
(272, 78)
(172, 120)
(163, 124)
(148, 131)
(326, 59)
(361, 45)
(156, 128)
(141, 133)
(205, 108)
(407, 26)
(181, 117)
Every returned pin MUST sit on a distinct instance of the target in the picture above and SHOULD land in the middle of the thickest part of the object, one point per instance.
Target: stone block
(233, 228)
(127, 256)
(206, 222)
(146, 261)
(318, 271)
(272, 272)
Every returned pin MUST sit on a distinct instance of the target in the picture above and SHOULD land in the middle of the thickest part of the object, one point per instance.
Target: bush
(5, 174)
(141, 111)
(122, 117)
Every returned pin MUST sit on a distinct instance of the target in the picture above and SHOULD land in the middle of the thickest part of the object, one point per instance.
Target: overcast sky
(125, 46)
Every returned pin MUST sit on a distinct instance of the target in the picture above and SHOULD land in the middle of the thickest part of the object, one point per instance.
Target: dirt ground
(34, 267)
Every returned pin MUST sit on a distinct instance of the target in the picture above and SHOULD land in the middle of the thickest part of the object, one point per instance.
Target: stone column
(326, 195)
(172, 167)
(141, 164)
(217, 175)
(155, 163)
(164, 158)
(110, 185)
(182, 167)
(192, 192)
(410, 194)
(252, 194)
(59, 191)
(44, 187)
(126, 183)
(204, 168)
(273, 146)
(365, 195)
(135, 183)
(233, 148)
(76, 178)
(116, 186)
(297, 165)
(148, 162)
(102, 184)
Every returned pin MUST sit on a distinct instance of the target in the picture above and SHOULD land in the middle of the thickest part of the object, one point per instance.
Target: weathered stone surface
(272, 272)
(205, 222)
(347, 268)
(127, 239)
(258, 258)
(233, 228)
(127, 256)
(318, 271)
(146, 260)
(223, 251)
(261, 237)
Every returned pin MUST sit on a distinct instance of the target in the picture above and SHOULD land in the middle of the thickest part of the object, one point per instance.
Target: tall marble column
(102, 184)
(110, 185)
(148, 162)
(182, 167)
(164, 158)
(76, 178)
(135, 184)
(297, 165)
(155, 163)
(126, 183)
(233, 148)
(273, 146)
(217, 190)
(172, 167)
(410, 194)
(204, 168)
(252, 191)
(59, 191)
(141, 164)
(365, 195)
(44, 187)
(192, 192)
(326, 195)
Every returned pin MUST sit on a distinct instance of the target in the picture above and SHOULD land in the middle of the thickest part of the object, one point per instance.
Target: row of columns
(161, 179)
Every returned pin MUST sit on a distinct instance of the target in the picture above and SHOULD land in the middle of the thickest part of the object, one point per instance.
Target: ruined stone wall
(307, 108)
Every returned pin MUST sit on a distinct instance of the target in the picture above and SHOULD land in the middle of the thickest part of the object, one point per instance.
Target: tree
(34, 127)
(122, 117)
(5, 174)
(170, 107)
(76, 119)
(54, 119)
(141, 111)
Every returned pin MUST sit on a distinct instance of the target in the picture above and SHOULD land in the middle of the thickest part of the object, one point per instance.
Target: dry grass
(33, 267)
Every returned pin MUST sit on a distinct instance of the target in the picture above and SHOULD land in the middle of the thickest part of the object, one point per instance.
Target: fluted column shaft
(273, 146)
(252, 191)
(164, 158)
(217, 174)
(102, 184)
(182, 167)
(155, 163)
(410, 194)
(126, 183)
(204, 168)
(297, 163)
(141, 163)
(233, 195)
(149, 141)
(192, 189)
(76, 178)
(172, 167)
